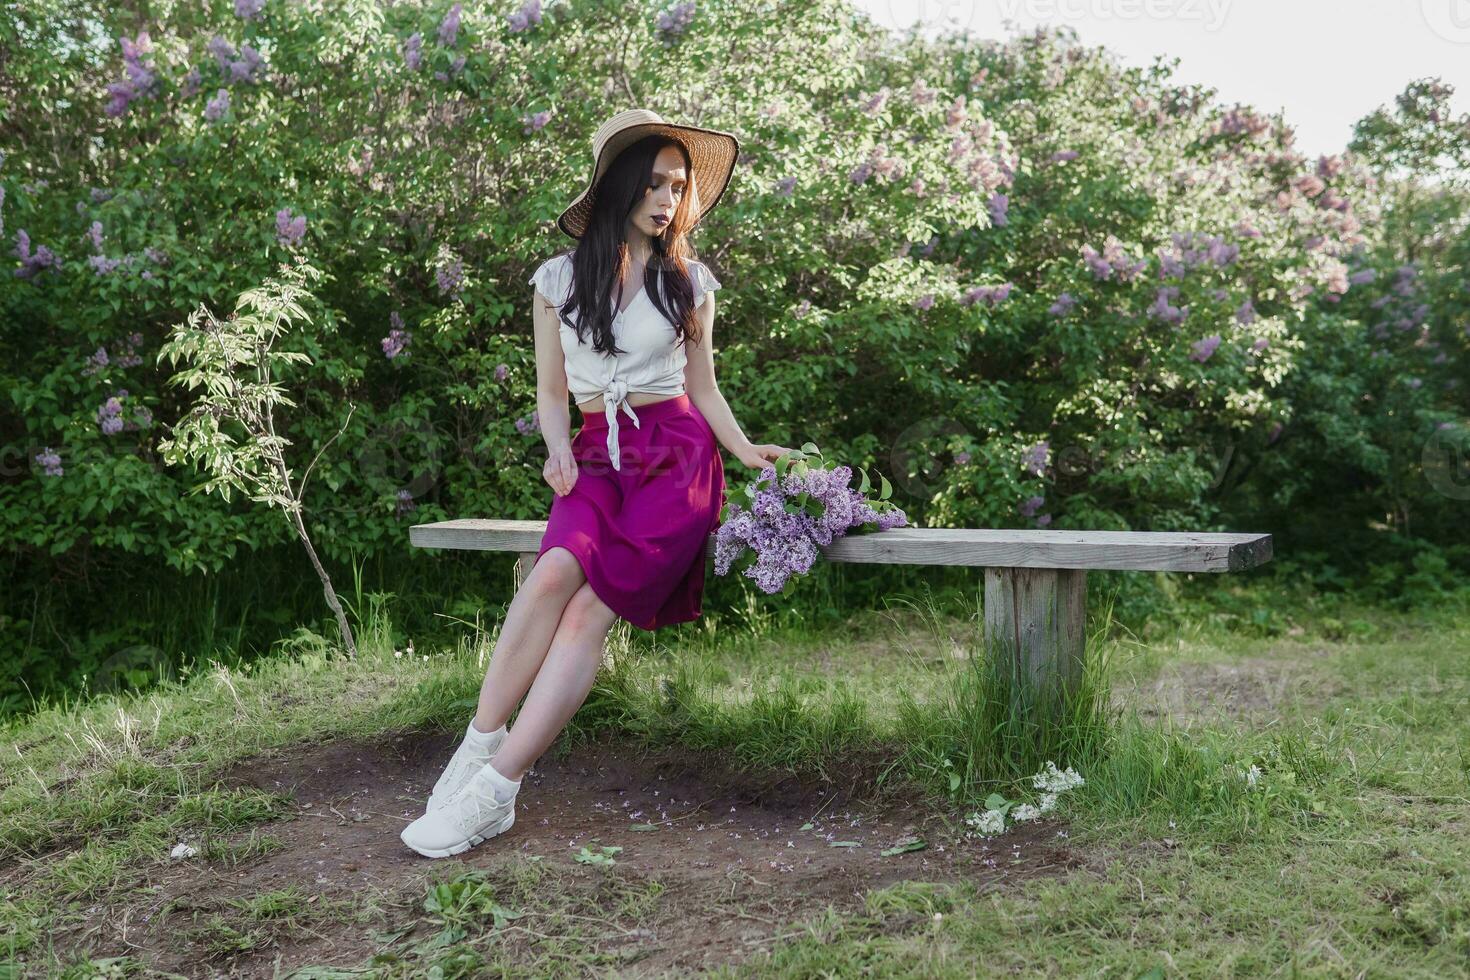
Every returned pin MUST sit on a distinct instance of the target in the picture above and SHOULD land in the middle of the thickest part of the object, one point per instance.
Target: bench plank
(1163, 551)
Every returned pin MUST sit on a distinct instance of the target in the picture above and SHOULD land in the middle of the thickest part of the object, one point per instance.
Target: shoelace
(475, 802)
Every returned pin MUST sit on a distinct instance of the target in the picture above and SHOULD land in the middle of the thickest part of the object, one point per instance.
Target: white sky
(1325, 63)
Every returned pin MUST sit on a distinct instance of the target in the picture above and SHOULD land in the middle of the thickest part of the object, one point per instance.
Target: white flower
(181, 851)
(1253, 776)
(1048, 802)
(989, 822)
(1054, 781)
(1025, 812)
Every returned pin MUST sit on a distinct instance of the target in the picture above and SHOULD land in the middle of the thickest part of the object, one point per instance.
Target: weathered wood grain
(1167, 551)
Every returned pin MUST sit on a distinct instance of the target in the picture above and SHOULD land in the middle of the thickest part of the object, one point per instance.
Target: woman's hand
(561, 471)
(757, 457)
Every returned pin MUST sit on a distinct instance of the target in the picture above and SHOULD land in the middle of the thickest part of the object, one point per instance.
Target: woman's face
(656, 211)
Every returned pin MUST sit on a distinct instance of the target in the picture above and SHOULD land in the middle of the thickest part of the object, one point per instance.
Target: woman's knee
(586, 611)
(556, 572)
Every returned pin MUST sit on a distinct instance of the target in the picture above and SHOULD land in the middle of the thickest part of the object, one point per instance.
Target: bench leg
(524, 562)
(1040, 614)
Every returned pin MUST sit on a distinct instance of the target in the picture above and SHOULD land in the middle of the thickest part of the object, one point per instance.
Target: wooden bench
(1035, 580)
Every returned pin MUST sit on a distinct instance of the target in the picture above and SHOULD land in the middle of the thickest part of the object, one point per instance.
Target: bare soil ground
(727, 863)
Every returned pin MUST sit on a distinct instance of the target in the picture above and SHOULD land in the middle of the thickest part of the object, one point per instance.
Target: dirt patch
(728, 860)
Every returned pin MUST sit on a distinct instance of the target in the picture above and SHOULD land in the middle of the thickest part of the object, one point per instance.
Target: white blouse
(653, 361)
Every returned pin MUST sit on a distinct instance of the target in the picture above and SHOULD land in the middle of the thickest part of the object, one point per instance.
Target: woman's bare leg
(530, 623)
(561, 685)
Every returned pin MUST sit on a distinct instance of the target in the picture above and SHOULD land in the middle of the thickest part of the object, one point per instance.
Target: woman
(636, 497)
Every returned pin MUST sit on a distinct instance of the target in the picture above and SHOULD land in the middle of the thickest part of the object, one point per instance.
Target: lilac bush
(773, 526)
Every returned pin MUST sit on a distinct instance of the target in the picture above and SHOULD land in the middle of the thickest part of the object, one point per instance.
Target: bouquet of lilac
(773, 525)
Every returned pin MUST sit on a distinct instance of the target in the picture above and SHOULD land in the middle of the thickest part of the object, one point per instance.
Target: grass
(1345, 856)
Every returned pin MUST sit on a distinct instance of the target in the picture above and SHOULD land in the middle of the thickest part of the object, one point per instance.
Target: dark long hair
(600, 258)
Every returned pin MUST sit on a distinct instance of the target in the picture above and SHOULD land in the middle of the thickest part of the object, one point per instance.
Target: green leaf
(844, 843)
(642, 826)
(916, 844)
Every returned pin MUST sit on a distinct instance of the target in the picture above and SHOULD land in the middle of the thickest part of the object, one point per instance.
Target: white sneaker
(467, 817)
(466, 761)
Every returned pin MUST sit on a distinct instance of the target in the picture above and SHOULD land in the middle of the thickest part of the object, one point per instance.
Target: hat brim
(712, 154)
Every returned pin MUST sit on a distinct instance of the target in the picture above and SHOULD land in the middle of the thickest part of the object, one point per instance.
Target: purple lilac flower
(875, 102)
(406, 504)
(109, 415)
(139, 81)
(396, 342)
(962, 457)
(1034, 461)
(1030, 505)
(1206, 347)
(786, 186)
(413, 51)
(991, 296)
(95, 233)
(536, 121)
(216, 107)
(785, 543)
(51, 460)
(449, 26)
(289, 231)
(1194, 249)
(1163, 307)
(672, 23)
(33, 263)
(528, 16)
(801, 309)
(1261, 343)
(1062, 156)
(502, 371)
(247, 67)
(248, 9)
(999, 206)
(1245, 313)
(222, 50)
(924, 302)
(1063, 305)
(193, 81)
(528, 424)
(1363, 276)
(1043, 520)
(450, 278)
(1309, 184)
(96, 362)
(1113, 260)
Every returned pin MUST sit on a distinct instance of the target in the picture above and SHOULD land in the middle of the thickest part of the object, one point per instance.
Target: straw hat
(712, 155)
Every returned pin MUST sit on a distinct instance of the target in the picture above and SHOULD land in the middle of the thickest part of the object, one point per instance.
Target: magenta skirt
(641, 532)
